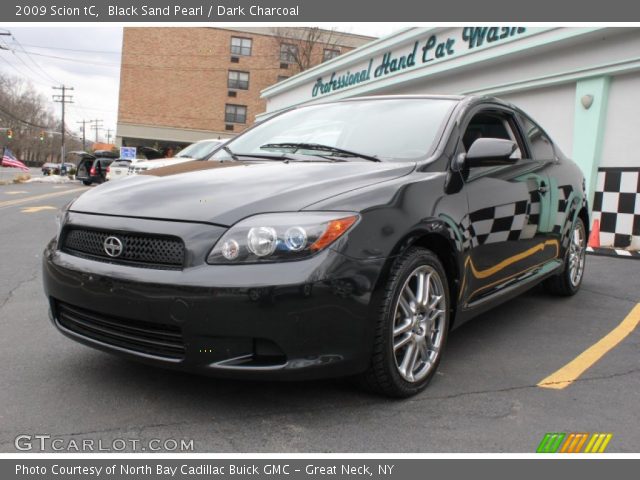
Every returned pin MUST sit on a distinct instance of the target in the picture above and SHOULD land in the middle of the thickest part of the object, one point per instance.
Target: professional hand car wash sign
(430, 50)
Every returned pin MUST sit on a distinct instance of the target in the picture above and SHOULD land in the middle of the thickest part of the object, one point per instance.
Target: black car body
(92, 168)
(403, 249)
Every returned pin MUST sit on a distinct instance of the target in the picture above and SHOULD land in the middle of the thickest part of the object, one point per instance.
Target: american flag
(9, 160)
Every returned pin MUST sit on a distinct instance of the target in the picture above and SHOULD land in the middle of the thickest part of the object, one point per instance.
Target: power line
(69, 59)
(63, 99)
(97, 125)
(84, 134)
(20, 120)
(273, 54)
(22, 74)
(143, 54)
(25, 64)
(34, 62)
(84, 108)
(107, 52)
(29, 69)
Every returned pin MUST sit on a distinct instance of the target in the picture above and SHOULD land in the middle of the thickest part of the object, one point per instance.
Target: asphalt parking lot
(484, 398)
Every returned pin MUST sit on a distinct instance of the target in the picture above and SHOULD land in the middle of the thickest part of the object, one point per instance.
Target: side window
(492, 125)
(489, 124)
(540, 144)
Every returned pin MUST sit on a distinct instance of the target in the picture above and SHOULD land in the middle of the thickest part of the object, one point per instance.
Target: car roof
(470, 99)
(408, 97)
(106, 154)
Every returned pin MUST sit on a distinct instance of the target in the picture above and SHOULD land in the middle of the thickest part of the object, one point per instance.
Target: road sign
(128, 153)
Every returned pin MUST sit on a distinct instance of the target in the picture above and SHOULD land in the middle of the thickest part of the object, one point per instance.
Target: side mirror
(489, 152)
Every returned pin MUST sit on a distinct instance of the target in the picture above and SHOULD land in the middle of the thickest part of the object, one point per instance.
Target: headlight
(277, 237)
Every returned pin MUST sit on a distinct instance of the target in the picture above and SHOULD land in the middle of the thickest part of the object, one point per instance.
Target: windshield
(198, 150)
(389, 129)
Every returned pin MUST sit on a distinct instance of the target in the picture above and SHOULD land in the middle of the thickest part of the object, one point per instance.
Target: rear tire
(411, 327)
(568, 282)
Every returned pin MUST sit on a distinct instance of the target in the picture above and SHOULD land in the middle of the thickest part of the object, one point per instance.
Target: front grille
(160, 340)
(137, 249)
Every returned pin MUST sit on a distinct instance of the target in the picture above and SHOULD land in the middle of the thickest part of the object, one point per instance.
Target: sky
(87, 59)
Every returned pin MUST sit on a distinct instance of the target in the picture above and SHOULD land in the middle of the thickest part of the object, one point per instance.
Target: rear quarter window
(539, 142)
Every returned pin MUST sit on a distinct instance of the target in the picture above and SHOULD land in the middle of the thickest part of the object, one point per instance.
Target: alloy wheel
(577, 252)
(419, 318)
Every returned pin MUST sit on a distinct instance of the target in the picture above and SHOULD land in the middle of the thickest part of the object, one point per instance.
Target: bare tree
(33, 124)
(304, 47)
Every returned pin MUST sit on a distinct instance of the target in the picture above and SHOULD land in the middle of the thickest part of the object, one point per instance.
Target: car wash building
(581, 84)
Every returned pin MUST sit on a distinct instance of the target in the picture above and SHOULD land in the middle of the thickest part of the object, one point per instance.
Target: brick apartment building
(179, 85)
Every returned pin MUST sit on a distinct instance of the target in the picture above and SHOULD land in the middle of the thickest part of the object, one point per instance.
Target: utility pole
(97, 125)
(84, 134)
(108, 135)
(63, 99)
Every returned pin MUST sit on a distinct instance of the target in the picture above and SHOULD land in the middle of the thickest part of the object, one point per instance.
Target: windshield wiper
(236, 156)
(319, 147)
(260, 156)
(231, 154)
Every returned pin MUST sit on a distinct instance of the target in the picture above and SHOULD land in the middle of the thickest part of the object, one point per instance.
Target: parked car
(92, 168)
(344, 238)
(54, 168)
(118, 169)
(50, 169)
(196, 151)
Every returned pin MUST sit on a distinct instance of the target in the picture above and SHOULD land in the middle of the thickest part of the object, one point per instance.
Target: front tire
(412, 326)
(568, 282)
(87, 182)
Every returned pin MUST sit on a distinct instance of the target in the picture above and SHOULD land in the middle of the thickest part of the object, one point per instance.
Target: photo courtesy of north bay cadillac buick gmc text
(337, 239)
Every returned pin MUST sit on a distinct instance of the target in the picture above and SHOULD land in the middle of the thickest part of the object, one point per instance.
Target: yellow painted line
(594, 437)
(571, 371)
(37, 209)
(605, 443)
(596, 446)
(18, 201)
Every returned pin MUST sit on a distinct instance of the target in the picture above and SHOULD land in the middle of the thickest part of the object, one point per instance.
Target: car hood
(225, 192)
(162, 162)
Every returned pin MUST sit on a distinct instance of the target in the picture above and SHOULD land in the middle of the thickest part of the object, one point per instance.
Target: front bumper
(295, 320)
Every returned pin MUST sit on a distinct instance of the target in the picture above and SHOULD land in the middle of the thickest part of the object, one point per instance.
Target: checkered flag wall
(616, 205)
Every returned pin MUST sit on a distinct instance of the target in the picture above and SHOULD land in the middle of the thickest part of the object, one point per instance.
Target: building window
(238, 80)
(288, 53)
(282, 77)
(241, 46)
(329, 53)
(235, 113)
